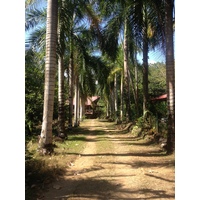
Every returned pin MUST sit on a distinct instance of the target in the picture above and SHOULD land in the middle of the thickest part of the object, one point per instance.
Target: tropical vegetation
(82, 48)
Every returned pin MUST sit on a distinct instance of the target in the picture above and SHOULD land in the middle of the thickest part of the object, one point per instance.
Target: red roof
(88, 101)
(91, 99)
(160, 98)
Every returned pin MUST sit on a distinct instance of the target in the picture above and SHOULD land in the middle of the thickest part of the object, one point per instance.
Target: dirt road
(116, 166)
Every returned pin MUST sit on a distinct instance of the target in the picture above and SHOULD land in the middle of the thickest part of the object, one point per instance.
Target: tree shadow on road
(143, 154)
(90, 188)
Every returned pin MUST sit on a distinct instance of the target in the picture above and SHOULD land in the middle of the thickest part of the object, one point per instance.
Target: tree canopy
(98, 43)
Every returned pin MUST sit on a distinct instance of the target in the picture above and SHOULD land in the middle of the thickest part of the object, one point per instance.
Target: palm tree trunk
(81, 110)
(170, 75)
(121, 98)
(107, 108)
(61, 99)
(45, 142)
(115, 96)
(71, 74)
(61, 92)
(112, 102)
(136, 87)
(76, 106)
(133, 88)
(145, 65)
(81, 96)
(79, 106)
(145, 75)
(71, 89)
(126, 77)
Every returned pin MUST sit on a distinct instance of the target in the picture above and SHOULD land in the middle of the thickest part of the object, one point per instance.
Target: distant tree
(157, 79)
(157, 87)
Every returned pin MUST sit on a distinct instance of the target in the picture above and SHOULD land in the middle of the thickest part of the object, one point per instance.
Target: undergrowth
(42, 170)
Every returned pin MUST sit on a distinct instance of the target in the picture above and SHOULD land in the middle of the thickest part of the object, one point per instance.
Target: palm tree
(115, 13)
(35, 24)
(45, 142)
(170, 74)
(61, 98)
(166, 21)
(148, 34)
(80, 10)
(137, 21)
(63, 23)
(35, 19)
(126, 71)
(145, 48)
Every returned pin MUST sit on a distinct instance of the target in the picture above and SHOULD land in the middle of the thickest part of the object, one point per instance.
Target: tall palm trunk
(121, 97)
(170, 74)
(107, 108)
(126, 76)
(145, 64)
(61, 92)
(134, 83)
(131, 82)
(79, 106)
(71, 88)
(82, 108)
(112, 102)
(61, 100)
(145, 75)
(76, 101)
(45, 142)
(81, 96)
(115, 97)
(71, 74)
(136, 87)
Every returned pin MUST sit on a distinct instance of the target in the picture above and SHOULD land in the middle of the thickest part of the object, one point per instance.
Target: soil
(115, 165)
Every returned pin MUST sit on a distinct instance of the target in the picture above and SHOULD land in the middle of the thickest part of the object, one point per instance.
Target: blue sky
(154, 56)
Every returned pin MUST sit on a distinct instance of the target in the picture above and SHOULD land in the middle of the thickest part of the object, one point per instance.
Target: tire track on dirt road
(116, 166)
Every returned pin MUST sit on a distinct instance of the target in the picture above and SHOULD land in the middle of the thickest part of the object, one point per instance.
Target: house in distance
(91, 107)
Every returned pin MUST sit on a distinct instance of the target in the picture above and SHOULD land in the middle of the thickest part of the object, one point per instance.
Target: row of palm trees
(76, 29)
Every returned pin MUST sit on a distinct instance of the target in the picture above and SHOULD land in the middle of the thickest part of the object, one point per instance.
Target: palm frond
(35, 17)
(37, 38)
(29, 4)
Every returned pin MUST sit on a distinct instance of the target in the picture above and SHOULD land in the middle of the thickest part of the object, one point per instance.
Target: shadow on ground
(37, 175)
(102, 189)
(40, 178)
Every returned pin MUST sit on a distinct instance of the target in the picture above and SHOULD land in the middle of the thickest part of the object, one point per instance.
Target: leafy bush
(34, 84)
(140, 122)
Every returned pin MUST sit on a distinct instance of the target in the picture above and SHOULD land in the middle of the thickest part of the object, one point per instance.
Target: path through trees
(115, 165)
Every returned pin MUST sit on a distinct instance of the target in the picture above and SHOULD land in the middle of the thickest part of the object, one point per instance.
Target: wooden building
(91, 107)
